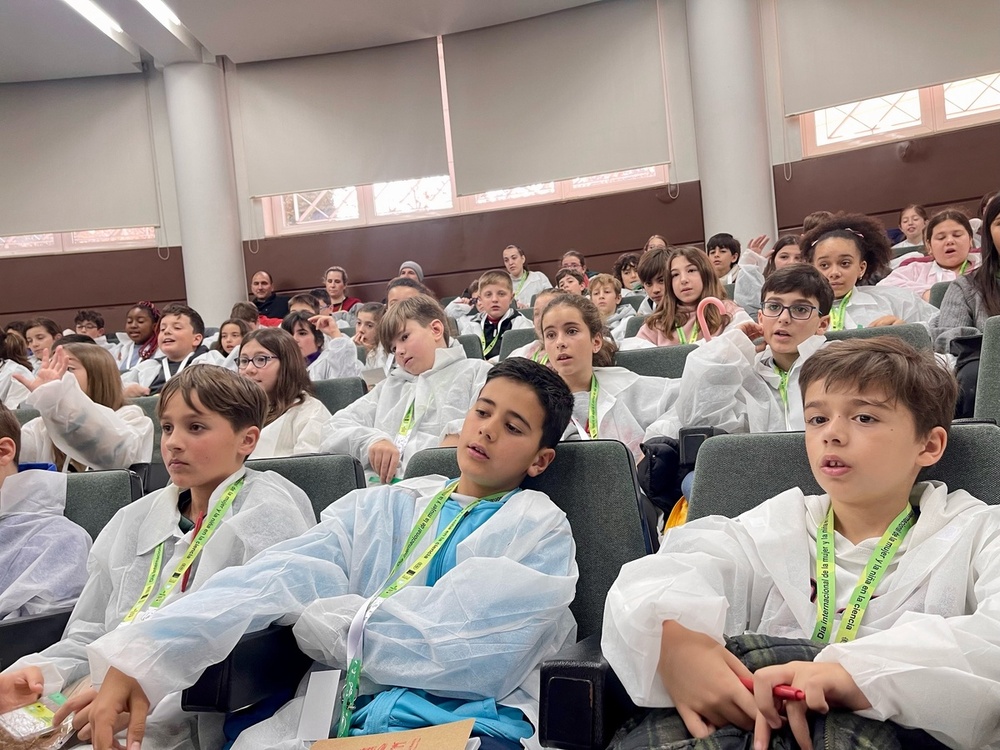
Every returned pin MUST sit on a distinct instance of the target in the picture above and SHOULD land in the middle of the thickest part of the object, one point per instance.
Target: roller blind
(838, 51)
(351, 118)
(75, 154)
(564, 95)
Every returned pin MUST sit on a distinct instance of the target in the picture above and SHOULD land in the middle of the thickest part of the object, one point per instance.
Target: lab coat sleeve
(352, 430)
(650, 398)
(711, 387)
(702, 577)
(339, 359)
(908, 277)
(90, 433)
(478, 632)
(65, 661)
(749, 283)
(169, 651)
(16, 392)
(928, 666)
(35, 444)
(908, 306)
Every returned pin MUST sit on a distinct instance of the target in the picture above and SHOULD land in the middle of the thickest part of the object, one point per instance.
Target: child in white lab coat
(423, 399)
(296, 420)
(915, 565)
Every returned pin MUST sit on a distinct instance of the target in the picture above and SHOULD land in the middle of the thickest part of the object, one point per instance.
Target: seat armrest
(690, 440)
(262, 664)
(582, 701)
(29, 635)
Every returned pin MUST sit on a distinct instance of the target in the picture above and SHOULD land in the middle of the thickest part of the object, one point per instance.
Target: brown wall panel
(455, 249)
(110, 282)
(937, 170)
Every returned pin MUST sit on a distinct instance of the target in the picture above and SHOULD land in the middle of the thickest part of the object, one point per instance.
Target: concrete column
(214, 273)
(727, 82)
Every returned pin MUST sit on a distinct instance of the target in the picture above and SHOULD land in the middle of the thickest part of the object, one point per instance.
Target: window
(92, 240)
(902, 115)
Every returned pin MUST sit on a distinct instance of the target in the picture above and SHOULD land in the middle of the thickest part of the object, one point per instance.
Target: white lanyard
(181, 366)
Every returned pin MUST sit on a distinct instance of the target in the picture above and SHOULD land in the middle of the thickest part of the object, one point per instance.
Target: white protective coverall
(146, 371)
(627, 404)
(86, 432)
(729, 385)
(442, 397)
(339, 359)
(267, 510)
(927, 653)
(526, 288)
(43, 555)
(869, 303)
(481, 631)
(298, 431)
(12, 393)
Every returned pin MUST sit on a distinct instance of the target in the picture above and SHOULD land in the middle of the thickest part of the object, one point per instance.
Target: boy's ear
(934, 444)
(248, 443)
(824, 323)
(543, 458)
(7, 451)
(437, 329)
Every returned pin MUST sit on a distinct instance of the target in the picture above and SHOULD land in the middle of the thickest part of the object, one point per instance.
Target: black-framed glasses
(259, 361)
(798, 312)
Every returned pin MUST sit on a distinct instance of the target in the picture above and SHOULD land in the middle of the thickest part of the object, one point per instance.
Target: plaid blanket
(663, 728)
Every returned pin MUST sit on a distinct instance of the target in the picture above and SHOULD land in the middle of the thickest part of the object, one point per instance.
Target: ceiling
(47, 39)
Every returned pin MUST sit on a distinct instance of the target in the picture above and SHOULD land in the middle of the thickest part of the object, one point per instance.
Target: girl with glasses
(295, 418)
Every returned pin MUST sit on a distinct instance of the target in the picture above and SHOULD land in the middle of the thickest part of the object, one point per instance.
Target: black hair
(74, 338)
(301, 316)
(985, 278)
(725, 240)
(867, 234)
(801, 278)
(89, 316)
(16, 325)
(188, 312)
(407, 281)
(553, 394)
(624, 263)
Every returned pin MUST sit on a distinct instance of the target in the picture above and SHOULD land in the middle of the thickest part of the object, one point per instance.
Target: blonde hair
(420, 309)
(605, 280)
(104, 382)
(668, 315)
(498, 278)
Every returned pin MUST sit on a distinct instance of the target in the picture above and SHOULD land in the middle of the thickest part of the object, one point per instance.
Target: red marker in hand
(785, 692)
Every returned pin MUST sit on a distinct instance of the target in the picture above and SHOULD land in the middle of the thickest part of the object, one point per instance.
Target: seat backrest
(515, 338)
(148, 405)
(634, 299)
(912, 333)
(735, 473)
(210, 331)
(362, 354)
(445, 301)
(325, 478)
(337, 393)
(93, 497)
(937, 293)
(25, 414)
(527, 312)
(661, 361)
(729, 289)
(633, 324)
(29, 635)
(472, 345)
(988, 386)
(595, 485)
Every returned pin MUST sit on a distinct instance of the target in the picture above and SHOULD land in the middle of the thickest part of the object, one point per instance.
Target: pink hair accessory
(702, 325)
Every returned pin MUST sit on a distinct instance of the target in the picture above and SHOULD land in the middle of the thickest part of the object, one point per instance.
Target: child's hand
(753, 332)
(20, 688)
(824, 684)
(759, 245)
(326, 324)
(384, 458)
(120, 694)
(135, 390)
(703, 680)
(79, 705)
(52, 369)
(887, 320)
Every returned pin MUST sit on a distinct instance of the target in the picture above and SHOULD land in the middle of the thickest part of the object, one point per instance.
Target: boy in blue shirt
(484, 598)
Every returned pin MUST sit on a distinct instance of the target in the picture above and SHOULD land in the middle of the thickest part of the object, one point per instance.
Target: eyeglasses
(798, 312)
(259, 361)
(86, 327)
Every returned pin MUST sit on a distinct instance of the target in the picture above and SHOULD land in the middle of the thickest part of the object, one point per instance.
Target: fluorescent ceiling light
(161, 12)
(96, 16)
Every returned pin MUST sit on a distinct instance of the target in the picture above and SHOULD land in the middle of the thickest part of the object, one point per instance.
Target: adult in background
(268, 303)
(527, 283)
(410, 269)
(335, 281)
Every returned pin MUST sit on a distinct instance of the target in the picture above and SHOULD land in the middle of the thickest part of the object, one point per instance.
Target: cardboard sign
(452, 736)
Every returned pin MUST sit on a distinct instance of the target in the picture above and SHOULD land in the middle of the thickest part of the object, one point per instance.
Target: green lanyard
(838, 314)
(540, 357)
(826, 583)
(592, 409)
(965, 264)
(407, 424)
(520, 286)
(493, 343)
(201, 538)
(782, 387)
(393, 586)
(684, 339)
